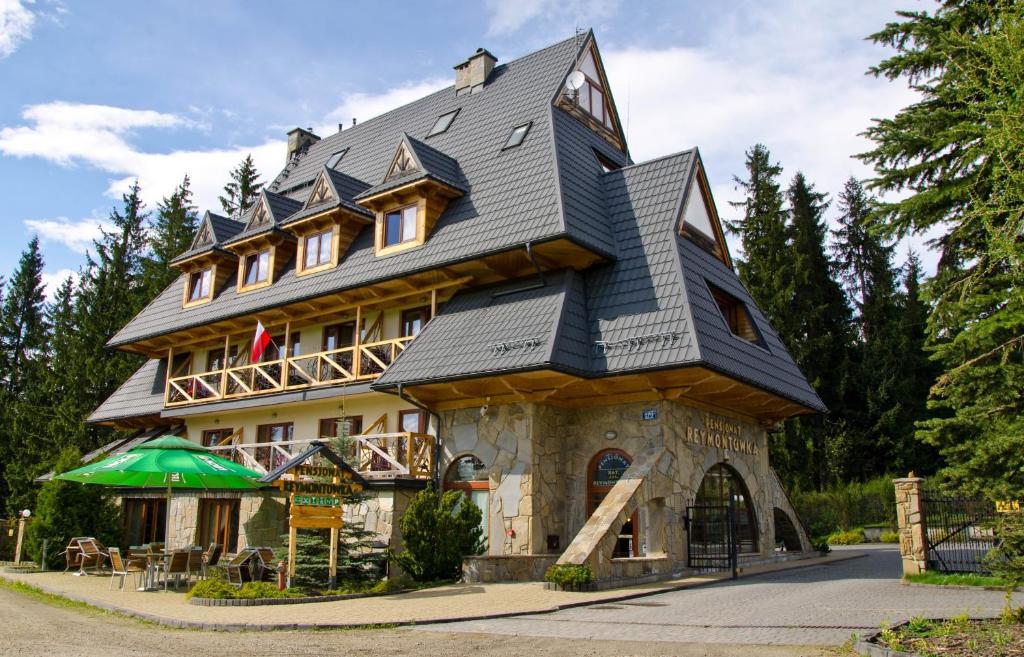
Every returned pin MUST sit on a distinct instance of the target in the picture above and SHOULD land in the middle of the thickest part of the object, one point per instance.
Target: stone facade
(538, 458)
(913, 548)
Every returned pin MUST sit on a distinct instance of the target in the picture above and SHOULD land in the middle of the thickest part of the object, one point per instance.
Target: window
(607, 165)
(257, 268)
(469, 475)
(413, 321)
(442, 123)
(218, 523)
(317, 249)
(518, 135)
(338, 336)
(144, 520)
(215, 358)
(331, 427)
(334, 159)
(413, 421)
(400, 226)
(591, 97)
(199, 283)
(273, 350)
(736, 316)
(721, 487)
(214, 437)
(268, 457)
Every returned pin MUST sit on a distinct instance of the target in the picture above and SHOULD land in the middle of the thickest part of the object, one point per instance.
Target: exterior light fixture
(26, 513)
(611, 434)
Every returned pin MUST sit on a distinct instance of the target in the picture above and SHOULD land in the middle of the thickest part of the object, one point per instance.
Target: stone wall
(913, 548)
(538, 459)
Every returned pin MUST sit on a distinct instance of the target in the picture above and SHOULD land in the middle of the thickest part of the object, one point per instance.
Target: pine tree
(243, 189)
(171, 234)
(956, 154)
(819, 343)
(67, 380)
(23, 326)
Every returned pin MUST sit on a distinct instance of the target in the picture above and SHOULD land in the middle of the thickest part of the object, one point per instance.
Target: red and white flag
(259, 342)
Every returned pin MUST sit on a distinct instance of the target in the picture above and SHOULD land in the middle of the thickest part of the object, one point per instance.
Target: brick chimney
(472, 74)
(299, 140)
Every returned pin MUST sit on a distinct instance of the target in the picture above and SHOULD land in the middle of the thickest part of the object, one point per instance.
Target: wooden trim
(242, 265)
(185, 301)
(381, 228)
(300, 258)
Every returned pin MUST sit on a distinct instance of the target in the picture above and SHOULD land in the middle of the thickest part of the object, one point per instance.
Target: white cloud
(54, 279)
(363, 106)
(100, 136)
(76, 236)
(15, 26)
(508, 17)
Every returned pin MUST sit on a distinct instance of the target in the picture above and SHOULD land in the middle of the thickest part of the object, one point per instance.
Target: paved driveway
(817, 605)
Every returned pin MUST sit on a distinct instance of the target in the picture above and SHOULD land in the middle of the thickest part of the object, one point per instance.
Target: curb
(959, 587)
(268, 627)
(864, 646)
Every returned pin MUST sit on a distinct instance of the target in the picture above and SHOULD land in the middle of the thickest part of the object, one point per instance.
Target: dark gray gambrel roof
(650, 309)
(513, 195)
(142, 394)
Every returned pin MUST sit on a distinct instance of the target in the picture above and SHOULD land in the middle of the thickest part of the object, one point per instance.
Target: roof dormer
(587, 96)
(263, 248)
(328, 221)
(206, 265)
(415, 191)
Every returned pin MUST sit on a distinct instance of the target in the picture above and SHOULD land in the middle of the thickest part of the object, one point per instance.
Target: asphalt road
(817, 605)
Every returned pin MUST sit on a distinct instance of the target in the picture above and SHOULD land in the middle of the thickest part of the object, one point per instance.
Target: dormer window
(699, 221)
(400, 226)
(335, 159)
(200, 286)
(256, 269)
(517, 135)
(442, 123)
(591, 96)
(318, 249)
(736, 316)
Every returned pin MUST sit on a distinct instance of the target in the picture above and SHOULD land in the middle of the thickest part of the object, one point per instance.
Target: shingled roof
(213, 231)
(142, 394)
(513, 195)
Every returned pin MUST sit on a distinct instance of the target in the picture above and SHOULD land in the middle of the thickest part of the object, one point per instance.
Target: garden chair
(73, 553)
(211, 558)
(122, 567)
(91, 554)
(177, 565)
(194, 566)
(238, 569)
(264, 566)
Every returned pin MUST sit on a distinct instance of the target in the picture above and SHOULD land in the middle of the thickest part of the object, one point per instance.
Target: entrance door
(338, 336)
(605, 470)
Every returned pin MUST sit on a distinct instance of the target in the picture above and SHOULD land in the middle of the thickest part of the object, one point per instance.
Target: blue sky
(98, 93)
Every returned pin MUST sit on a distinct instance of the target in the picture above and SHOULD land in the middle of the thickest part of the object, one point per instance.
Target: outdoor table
(153, 561)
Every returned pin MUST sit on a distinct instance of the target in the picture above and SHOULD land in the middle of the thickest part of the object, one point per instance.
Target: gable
(260, 215)
(587, 95)
(402, 163)
(322, 192)
(699, 221)
(204, 236)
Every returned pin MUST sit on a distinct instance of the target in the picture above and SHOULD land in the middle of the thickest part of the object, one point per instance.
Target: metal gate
(958, 532)
(711, 538)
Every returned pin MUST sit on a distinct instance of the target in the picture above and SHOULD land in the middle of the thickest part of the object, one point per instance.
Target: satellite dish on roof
(575, 81)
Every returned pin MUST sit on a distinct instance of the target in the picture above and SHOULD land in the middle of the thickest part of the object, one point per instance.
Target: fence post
(909, 517)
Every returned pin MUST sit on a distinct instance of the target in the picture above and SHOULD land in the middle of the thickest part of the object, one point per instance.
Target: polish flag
(259, 342)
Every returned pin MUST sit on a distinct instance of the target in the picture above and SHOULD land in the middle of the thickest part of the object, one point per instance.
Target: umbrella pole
(167, 519)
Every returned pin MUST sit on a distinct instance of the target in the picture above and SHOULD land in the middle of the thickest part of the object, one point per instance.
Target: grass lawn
(956, 637)
(956, 579)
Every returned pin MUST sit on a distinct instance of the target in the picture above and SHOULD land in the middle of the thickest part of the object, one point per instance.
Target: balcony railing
(364, 362)
(376, 456)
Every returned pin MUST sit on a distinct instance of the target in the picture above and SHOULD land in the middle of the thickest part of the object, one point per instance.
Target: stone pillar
(913, 548)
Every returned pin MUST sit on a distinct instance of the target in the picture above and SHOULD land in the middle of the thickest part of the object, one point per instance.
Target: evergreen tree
(956, 154)
(65, 384)
(243, 189)
(171, 234)
(23, 325)
(820, 338)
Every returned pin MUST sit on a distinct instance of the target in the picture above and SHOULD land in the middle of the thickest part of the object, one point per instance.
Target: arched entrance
(722, 486)
(604, 471)
(469, 475)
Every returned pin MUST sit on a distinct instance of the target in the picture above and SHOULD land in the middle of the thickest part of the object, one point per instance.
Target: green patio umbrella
(170, 462)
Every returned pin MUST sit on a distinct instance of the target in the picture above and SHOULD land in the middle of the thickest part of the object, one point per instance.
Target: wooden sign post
(317, 496)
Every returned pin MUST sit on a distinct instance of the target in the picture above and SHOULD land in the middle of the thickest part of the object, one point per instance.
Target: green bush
(846, 506)
(218, 589)
(213, 587)
(890, 537)
(822, 546)
(852, 537)
(65, 509)
(568, 574)
(438, 530)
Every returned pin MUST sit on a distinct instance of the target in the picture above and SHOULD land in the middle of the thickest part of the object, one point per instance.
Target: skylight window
(336, 158)
(518, 135)
(442, 123)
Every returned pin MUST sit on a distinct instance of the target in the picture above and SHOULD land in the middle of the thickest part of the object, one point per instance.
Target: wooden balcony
(363, 362)
(376, 456)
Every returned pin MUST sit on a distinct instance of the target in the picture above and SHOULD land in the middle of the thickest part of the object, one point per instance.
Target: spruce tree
(820, 338)
(171, 233)
(243, 189)
(23, 324)
(955, 154)
(68, 380)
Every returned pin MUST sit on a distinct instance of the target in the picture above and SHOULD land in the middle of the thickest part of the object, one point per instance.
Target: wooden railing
(346, 365)
(381, 455)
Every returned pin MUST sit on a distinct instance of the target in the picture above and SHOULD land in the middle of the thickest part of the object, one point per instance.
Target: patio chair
(176, 565)
(238, 569)
(91, 554)
(122, 567)
(194, 566)
(264, 567)
(211, 558)
(73, 553)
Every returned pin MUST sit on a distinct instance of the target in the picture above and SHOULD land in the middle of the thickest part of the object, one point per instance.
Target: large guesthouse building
(480, 289)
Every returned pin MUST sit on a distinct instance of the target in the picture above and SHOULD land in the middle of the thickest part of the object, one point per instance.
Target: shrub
(218, 589)
(65, 509)
(1006, 560)
(822, 546)
(213, 587)
(845, 506)
(568, 574)
(438, 530)
(852, 537)
(890, 537)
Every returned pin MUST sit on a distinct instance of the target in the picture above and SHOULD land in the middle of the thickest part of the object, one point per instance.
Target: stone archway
(603, 472)
(721, 486)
